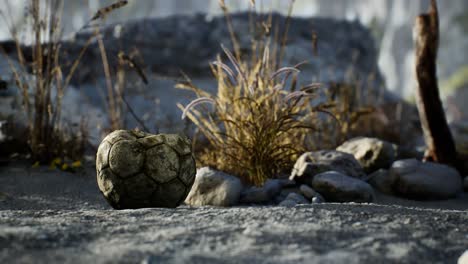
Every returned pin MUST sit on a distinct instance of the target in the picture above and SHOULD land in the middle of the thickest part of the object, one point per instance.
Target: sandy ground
(55, 217)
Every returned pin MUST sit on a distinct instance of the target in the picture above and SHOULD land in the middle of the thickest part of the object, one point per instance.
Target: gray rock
(3, 197)
(285, 192)
(465, 184)
(459, 131)
(298, 198)
(214, 188)
(412, 152)
(371, 153)
(294, 199)
(264, 194)
(310, 193)
(425, 181)
(381, 181)
(337, 187)
(313, 163)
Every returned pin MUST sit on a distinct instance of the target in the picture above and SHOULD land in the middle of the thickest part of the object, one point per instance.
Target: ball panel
(162, 163)
(151, 141)
(102, 156)
(181, 145)
(126, 158)
(110, 186)
(187, 170)
(170, 194)
(140, 187)
(118, 135)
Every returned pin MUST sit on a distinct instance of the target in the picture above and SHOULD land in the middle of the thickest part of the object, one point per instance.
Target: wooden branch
(439, 140)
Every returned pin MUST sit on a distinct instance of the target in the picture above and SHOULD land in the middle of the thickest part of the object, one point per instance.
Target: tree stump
(437, 135)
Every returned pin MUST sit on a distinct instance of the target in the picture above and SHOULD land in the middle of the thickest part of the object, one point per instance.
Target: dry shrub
(42, 95)
(363, 111)
(259, 124)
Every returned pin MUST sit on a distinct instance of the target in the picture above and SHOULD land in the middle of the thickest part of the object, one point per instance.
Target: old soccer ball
(140, 170)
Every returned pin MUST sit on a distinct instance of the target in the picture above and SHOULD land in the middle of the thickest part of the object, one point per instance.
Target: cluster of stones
(136, 169)
(354, 172)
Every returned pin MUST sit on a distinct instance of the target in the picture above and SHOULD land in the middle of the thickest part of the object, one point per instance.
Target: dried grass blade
(295, 95)
(278, 87)
(266, 57)
(131, 62)
(223, 6)
(226, 69)
(76, 63)
(101, 13)
(311, 87)
(235, 63)
(284, 70)
(327, 112)
(196, 102)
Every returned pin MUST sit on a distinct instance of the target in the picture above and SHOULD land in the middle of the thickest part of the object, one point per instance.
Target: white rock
(424, 181)
(214, 188)
(463, 258)
(371, 153)
(337, 187)
(318, 199)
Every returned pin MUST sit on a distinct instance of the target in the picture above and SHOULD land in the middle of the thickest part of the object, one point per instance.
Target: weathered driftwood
(439, 140)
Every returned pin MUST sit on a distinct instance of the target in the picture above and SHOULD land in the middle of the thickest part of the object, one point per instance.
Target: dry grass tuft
(258, 124)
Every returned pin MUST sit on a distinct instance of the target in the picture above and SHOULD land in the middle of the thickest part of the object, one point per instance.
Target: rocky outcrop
(167, 46)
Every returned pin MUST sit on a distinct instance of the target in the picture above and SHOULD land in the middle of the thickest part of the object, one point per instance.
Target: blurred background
(365, 50)
(389, 20)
